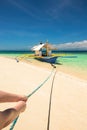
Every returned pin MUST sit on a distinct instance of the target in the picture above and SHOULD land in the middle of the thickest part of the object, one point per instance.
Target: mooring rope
(50, 102)
(37, 88)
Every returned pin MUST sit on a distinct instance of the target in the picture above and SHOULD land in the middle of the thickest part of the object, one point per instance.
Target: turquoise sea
(14, 54)
(76, 60)
(76, 64)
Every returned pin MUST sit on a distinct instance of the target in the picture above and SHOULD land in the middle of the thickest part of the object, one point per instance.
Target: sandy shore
(75, 71)
(69, 105)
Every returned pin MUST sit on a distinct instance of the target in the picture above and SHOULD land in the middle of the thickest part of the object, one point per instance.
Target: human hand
(23, 98)
(21, 106)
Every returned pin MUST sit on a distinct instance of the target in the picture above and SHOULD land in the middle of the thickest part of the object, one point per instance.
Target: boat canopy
(43, 49)
(37, 48)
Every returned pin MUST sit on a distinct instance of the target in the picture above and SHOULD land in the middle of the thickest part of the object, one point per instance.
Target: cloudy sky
(24, 23)
(82, 45)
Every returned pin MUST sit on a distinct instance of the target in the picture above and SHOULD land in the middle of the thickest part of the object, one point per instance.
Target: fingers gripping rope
(15, 121)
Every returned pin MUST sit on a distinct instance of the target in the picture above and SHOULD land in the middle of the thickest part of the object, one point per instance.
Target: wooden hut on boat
(43, 49)
(43, 52)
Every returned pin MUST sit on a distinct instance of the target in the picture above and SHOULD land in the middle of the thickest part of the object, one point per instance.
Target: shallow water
(76, 66)
(79, 61)
(76, 62)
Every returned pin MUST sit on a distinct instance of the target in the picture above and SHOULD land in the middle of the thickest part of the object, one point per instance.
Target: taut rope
(15, 121)
(50, 101)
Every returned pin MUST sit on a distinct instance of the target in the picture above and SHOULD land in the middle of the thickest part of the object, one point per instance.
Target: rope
(13, 124)
(50, 101)
(15, 121)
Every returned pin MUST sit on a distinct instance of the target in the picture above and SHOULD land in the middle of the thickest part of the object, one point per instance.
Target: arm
(9, 97)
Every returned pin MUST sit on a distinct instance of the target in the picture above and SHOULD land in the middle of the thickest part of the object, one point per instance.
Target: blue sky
(24, 23)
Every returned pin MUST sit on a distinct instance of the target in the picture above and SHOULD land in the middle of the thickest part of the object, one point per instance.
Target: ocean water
(76, 60)
(14, 54)
(76, 64)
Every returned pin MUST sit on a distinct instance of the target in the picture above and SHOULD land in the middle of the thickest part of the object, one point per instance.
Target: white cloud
(82, 45)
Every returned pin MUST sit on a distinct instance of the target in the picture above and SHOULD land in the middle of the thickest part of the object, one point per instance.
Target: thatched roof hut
(43, 46)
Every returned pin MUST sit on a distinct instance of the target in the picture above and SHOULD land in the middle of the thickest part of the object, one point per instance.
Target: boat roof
(43, 45)
(37, 47)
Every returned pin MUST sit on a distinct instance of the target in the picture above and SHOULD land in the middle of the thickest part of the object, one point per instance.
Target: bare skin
(8, 115)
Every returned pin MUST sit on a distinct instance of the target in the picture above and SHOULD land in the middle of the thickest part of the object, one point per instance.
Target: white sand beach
(69, 104)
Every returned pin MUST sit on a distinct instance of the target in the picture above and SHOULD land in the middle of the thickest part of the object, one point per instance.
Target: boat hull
(48, 59)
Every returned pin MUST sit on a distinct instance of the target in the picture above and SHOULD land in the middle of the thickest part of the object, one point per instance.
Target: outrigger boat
(48, 59)
(43, 52)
